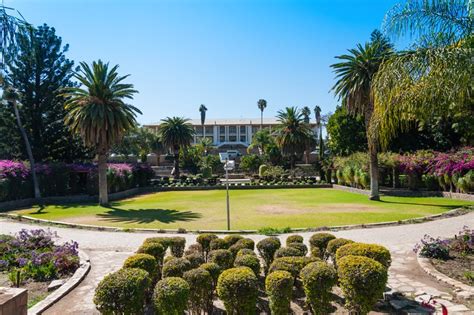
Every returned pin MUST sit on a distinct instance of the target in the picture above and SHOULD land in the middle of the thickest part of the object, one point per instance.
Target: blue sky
(225, 54)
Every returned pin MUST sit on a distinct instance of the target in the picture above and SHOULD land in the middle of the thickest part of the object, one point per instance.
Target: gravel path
(108, 250)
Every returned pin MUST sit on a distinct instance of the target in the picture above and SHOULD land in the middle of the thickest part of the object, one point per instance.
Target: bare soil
(457, 267)
(37, 291)
(331, 208)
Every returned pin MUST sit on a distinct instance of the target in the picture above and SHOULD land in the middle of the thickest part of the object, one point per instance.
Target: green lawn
(250, 209)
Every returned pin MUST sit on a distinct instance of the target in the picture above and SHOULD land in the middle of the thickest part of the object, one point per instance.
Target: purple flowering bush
(462, 243)
(34, 254)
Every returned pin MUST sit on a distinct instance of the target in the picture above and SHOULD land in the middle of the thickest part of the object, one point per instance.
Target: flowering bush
(431, 247)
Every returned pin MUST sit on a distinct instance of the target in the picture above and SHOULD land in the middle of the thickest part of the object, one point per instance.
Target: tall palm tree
(98, 113)
(305, 111)
(262, 104)
(262, 139)
(319, 125)
(293, 134)
(354, 75)
(176, 133)
(203, 110)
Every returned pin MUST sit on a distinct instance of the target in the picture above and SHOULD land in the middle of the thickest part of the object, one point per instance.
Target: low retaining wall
(240, 187)
(13, 301)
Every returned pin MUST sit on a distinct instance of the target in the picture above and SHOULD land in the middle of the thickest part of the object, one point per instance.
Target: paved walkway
(108, 250)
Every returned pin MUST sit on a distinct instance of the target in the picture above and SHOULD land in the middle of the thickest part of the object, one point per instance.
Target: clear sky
(225, 54)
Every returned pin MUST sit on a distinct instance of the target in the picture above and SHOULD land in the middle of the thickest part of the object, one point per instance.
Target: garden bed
(459, 267)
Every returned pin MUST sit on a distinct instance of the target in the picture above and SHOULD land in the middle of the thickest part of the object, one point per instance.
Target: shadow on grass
(148, 215)
(447, 207)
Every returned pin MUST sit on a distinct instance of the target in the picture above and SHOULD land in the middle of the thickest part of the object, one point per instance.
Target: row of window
(231, 136)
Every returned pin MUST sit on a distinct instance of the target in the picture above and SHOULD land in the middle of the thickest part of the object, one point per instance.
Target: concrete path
(108, 250)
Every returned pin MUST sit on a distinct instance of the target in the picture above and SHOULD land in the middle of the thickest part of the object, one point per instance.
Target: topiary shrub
(214, 270)
(238, 288)
(195, 259)
(200, 297)
(232, 239)
(122, 292)
(267, 248)
(261, 170)
(279, 287)
(171, 296)
(143, 261)
(318, 279)
(205, 241)
(334, 245)
(177, 245)
(294, 239)
(293, 265)
(194, 248)
(362, 281)
(245, 251)
(218, 243)
(374, 251)
(222, 257)
(299, 246)
(241, 244)
(176, 267)
(250, 261)
(320, 241)
(164, 241)
(288, 252)
(154, 249)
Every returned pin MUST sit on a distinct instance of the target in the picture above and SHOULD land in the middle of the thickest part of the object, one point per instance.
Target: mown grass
(250, 209)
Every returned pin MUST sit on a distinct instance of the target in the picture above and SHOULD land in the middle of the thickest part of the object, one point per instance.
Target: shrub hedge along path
(108, 251)
(250, 209)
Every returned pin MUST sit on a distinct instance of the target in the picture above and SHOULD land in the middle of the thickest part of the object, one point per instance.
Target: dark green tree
(346, 133)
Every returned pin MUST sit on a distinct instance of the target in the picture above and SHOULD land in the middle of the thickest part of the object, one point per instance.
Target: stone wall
(13, 301)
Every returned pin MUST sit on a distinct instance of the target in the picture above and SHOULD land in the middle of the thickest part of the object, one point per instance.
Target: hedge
(177, 245)
(374, 251)
(171, 296)
(205, 241)
(238, 289)
(334, 245)
(232, 239)
(214, 270)
(176, 267)
(154, 249)
(241, 244)
(294, 239)
(250, 261)
(293, 265)
(299, 246)
(318, 279)
(201, 284)
(143, 261)
(279, 288)
(267, 248)
(222, 257)
(320, 241)
(288, 252)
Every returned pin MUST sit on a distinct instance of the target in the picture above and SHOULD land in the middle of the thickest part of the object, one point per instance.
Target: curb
(77, 277)
(462, 290)
(448, 214)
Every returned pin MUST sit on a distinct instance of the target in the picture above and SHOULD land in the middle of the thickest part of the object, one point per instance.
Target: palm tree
(293, 134)
(435, 76)
(306, 112)
(176, 133)
(97, 112)
(354, 86)
(202, 110)
(262, 139)
(319, 125)
(262, 104)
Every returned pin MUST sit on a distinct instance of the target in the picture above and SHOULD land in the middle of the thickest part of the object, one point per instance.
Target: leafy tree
(346, 133)
(262, 139)
(203, 110)
(293, 134)
(306, 112)
(190, 158)
(176, 133)
(98, 113)
(139, 141)
(354, 75)
(10, 139)
(262, 104)
(250, 163)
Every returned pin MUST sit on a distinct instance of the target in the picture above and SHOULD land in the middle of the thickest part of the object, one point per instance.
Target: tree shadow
(423, 204)
(142, 216)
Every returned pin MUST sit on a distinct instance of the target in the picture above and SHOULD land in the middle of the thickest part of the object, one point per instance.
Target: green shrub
(250, 261)
(374, 251)
(294, 239)
(164, 241)
(232, 239)
(177, 245)
(194, 248)
(362, 280)
(214, 270)
(316, 252)
(267, 248)
(201, 284)
(154, 249)
(122, 292)
(238, 288)
(241, 244)
(293, 265)
(245, 251)
(279, 288)
(299, 246)
(320, 241)
(205, 241)
(218, 243)
(250, 163)
(195, 259)
(143, 261)
(318, 279)
(288, 252)
(334, 245)
(261, 170)
(222, 257)
(171, 296)
(176, 267)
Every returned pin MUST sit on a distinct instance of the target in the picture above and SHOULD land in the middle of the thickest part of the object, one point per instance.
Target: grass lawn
(250, 209)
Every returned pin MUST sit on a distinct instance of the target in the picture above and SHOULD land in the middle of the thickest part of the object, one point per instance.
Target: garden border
(68, 286)
(462, 290)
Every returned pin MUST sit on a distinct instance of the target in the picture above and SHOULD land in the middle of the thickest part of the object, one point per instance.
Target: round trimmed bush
(294, 239)
(362, 281)
(318, 279)
(205, 241)
(214, 270)
(250, 261)
(195, 259)
(143, 261)
(177, 245)
(245, 251)
(374, 251)
(164, 241)
(315, 252)
(238, 288)
(222, 257)
(154, 249)
(200, 297)
(218, 243)
(241, 244)
(267, 248)
(293, 265)
(176, 267)
(279, 287)
(194, 248)
(334, 245)
(320, 241)
(123, 292)
(299, 246)
(171, 296)
(288, 252)
(232, 239)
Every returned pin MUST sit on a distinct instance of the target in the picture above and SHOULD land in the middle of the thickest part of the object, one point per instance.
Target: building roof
(228, 121)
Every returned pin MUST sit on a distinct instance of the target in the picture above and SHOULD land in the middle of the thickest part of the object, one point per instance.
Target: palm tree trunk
(29, 152)
(374, 175)
(261, 119)
(176, 164)
(102, 168)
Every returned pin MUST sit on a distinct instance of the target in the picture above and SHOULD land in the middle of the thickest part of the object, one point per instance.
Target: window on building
(243, 134)
(232, 130)
(221, 133)
(198, 130)
(209, 130)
